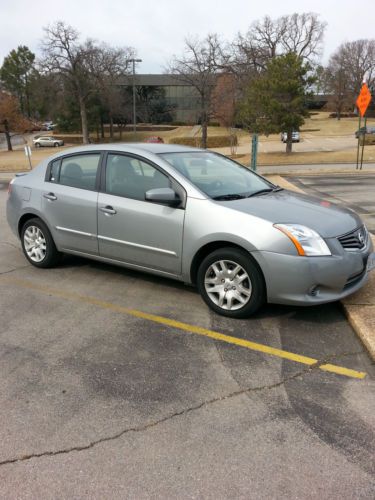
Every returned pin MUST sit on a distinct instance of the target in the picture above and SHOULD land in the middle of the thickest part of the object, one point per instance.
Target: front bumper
(313, 280)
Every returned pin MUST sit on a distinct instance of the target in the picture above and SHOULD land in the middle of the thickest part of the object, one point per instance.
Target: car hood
(285, 206)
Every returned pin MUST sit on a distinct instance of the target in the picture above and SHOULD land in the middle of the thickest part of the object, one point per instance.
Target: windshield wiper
(266, 190)
(233, 196)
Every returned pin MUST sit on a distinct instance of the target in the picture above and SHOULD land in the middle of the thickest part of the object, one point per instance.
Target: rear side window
(79, 171)
(54, 172)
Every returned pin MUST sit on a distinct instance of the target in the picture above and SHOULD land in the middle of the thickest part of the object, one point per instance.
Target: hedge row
(369, 140)
(215, 141)
(69, 138)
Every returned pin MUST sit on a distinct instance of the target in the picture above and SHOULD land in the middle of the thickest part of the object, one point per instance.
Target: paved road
(354, 191)
(99, 403)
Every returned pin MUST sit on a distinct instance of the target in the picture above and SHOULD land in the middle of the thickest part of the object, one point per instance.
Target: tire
(55, 144)
(38, 245)
(236, 295)
(37, 145)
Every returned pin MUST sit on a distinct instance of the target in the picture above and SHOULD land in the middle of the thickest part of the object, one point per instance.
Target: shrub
(344, 115)
(215, 141)
(369, 140)
(69, 138)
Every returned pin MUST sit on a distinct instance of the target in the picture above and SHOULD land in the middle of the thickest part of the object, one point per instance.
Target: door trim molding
(74, 231)
(137, 245)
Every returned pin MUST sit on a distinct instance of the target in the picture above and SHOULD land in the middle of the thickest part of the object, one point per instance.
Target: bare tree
(85, 66)
(199, 66)
(108, 65)
(340, 96)
(351, 64)
(63, 53)
(301, 34)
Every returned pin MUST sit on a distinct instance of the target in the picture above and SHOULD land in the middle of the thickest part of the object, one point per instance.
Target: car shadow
(313, 314)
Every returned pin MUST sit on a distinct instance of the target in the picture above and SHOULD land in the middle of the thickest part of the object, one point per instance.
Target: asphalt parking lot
(115, 384)
(356, 191)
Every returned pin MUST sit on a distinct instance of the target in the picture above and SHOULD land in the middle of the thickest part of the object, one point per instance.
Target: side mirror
(163, 195)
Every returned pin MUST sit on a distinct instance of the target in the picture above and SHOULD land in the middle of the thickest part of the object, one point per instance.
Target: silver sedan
(47, 140)
(194, 216)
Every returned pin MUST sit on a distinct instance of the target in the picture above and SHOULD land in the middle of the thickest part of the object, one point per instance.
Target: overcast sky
(157, 28)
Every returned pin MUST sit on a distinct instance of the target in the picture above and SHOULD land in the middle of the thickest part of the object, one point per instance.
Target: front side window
(80, 171)
(216, 176)
(131, 178)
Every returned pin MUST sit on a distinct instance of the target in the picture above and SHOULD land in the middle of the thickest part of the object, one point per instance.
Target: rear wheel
(230, 283)
(56, 144)
(38, 245)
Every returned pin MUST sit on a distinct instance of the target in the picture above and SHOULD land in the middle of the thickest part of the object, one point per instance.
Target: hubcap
(35, 244)
(228, 285)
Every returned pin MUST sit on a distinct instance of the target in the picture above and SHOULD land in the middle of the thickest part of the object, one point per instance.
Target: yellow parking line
(254, 346)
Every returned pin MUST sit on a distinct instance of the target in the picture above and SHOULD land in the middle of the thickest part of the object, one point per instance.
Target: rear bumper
(313, 280)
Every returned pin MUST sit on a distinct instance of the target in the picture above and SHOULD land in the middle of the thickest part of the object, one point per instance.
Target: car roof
(130, 147)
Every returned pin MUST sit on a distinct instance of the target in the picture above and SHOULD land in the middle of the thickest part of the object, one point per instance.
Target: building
(180, 98)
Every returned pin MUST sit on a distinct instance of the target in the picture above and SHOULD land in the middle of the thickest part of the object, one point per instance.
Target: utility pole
(134, 110)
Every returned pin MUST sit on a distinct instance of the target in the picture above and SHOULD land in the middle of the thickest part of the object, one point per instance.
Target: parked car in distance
(47, 140)
(154, 139)
(295, 136)
(194, 216)
(364, 130)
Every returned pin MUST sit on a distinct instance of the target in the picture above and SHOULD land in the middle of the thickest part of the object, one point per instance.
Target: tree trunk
(289, 142)
(101, 127)
(7, 135)
(83, 111)
(110, 125)
(27, 98)
(204, 130)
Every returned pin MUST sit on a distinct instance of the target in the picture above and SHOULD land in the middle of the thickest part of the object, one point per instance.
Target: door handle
(50, 196)
(108, 210)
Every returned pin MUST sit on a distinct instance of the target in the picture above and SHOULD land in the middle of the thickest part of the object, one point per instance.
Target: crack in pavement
(15, 269)
(10, 244)
(185, 411)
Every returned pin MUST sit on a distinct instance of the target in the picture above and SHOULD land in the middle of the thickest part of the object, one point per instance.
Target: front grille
(355, 240)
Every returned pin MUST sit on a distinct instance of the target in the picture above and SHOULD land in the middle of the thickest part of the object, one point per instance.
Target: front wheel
(38, 245)
(37, 145)
(230, 283)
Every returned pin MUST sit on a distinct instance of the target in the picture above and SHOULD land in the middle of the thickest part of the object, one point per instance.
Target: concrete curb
(359, 307)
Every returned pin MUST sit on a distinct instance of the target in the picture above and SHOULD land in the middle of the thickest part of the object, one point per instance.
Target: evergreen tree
(275, 101)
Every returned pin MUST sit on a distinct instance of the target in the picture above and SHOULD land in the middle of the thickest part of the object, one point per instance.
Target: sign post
(362, 102)
(28, 154)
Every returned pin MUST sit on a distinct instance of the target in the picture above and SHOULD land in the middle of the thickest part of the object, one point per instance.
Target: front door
(133, 230)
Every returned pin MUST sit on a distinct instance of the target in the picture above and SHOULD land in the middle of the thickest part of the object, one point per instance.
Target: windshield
(217, 176)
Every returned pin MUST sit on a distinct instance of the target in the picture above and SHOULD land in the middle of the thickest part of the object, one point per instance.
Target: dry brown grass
(320, 124)
(310, 157)
(317, 125)
(16, 161)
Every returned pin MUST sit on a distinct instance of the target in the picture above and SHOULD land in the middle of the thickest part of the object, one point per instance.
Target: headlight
(307, 241)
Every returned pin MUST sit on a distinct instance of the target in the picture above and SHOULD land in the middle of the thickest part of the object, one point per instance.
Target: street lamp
(134, 113)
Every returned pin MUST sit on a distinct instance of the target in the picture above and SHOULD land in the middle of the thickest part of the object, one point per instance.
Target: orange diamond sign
(363, 99)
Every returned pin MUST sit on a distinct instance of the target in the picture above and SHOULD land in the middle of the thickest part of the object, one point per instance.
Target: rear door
(69, 201)
(133, 230)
